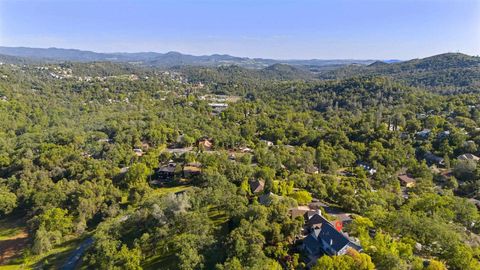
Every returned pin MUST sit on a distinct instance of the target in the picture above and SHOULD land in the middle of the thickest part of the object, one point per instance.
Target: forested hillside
(224, 168)
(449, 72)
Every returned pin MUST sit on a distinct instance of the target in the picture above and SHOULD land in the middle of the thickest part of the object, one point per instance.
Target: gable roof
(431, 158)
(468, 157)
(168, 168)
(257, 186)
(406, 179)
(323, 230)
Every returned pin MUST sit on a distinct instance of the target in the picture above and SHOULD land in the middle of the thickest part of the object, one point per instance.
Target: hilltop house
(325, 239)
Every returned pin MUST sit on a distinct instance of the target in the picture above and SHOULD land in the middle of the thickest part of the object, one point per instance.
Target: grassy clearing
(13, 238)
(53, 259)
(165, 190)
(163, 261)
(11, 226)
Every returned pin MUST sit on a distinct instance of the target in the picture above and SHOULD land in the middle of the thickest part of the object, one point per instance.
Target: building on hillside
(432, 159)
(325, 239)
(218, 107)
(369, 169)
(268, 198)
(257, 186)
(468, 157)
(191, 169)
(138, 152)
(443, 135)
(299, 211)
(166, 172)
(424, 134)
(205, 143)
(245, 150)
(268, 143)
(312, 170)
(406, 180)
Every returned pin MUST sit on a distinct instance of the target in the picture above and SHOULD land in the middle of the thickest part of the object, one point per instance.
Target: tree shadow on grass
(57, 259)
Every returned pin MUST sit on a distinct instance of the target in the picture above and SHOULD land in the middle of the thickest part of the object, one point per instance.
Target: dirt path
(12, 246)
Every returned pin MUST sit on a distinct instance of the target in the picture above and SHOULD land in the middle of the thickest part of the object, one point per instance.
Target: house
(406, 180)
(468, 157)
(432, 159)
(268, 198)
(311, 213)
(138, 152)
(299, 211)
(444, 134)
(257, 186)
(218, 107)
(325, 239)
(167, 172)
(205, 143)
(191, 169)
(268, 143)
(312, 170)
(245, 150)
(424, 134)
(369, 169)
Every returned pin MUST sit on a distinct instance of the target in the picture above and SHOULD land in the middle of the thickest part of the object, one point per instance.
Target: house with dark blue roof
(325, 239)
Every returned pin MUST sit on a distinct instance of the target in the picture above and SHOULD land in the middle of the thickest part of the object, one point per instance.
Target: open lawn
(165, 190)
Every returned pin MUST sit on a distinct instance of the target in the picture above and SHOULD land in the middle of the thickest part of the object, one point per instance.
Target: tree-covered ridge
(449, 72)
(81, 144)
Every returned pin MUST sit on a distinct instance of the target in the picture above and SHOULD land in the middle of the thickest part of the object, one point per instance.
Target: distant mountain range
(170, 59)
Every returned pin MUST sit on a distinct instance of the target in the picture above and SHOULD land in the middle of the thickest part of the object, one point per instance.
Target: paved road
(75, 257)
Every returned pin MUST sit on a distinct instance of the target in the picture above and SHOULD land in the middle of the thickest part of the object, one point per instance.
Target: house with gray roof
(325, 239)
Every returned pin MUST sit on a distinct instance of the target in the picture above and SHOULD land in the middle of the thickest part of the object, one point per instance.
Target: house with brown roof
(191, 169)
(301, 211)
(166, 172)
(406, 180)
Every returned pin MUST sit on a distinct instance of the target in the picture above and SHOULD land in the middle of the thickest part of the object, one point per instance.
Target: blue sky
(301, 29)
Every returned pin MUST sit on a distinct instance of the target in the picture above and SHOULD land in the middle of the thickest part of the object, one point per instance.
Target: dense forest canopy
(449, 72)
(204, 167)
